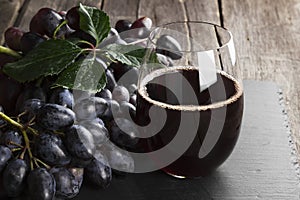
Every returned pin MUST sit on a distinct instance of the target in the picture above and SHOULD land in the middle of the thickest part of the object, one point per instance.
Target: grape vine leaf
(94, 22)
(48, 58)
(85, 74)
(132, 55)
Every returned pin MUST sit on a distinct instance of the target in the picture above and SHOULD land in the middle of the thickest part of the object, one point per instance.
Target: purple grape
(99, 132)
(141, 23)
(14, 176)
(72, 17)
(50, 148)
(5, 155)
(55, 117)
(62, 96)
(122, 25)
(11, 139)
(104, 93)
(124, 133)
(67, 184)
(41, 185)
(80, 143)
(99, 173)
(45, 21)
(29, 41)
(13, 37)
(90, 108)
(120, 93)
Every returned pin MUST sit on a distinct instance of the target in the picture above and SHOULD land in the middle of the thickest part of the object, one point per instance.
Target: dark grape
(55, 117)
(127, 110)
(79, 163)
(41, 185)
(112, 110)
(5, 155)
(90, 108)
(12, 37)
(100, 121)
(45, 21)
(165, 60)
(11, 89)
(120, 93)
(119, 160)
(119, 69)
(99, 173)
(78, 174)
(62, 96)
(73, 18)
(67, 185)
(142, 22)
(12, 139)
(29, 41)
(63, 13)
(124, 133)
(122, 25)
(50, 148)
(132, 88)
(104, 93)
(14, 176)
(30, 109)
(140, 28)
(169, 46)
(100, 133)
(33, 105)
(132, 99)
(111, 82)
(83, 36)
(29, 92)
(79, 142)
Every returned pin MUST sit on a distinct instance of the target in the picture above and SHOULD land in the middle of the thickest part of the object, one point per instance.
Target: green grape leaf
(48, 58)
(132, 55)
(94, 22)
(85, 74)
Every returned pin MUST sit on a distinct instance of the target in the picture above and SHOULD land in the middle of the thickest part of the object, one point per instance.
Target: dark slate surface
(259, 168)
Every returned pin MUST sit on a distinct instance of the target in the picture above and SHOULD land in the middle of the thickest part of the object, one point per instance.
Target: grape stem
(9, 51)
(59, 27)
(23, 131)
(36, 160)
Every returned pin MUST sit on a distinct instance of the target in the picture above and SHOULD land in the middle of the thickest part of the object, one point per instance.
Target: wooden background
(267, 32)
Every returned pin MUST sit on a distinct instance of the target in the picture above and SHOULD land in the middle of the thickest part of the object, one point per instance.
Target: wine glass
(193, 92)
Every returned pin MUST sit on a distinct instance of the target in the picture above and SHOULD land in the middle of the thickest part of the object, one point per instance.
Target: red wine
(212, 117)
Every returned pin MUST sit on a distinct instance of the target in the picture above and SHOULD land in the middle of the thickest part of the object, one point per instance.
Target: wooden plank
(58, 5)
(204, 10)
(8, 15)
(162, 12)
(267, 40)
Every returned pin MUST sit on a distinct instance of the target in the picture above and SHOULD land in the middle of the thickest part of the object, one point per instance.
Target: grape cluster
(57, 137)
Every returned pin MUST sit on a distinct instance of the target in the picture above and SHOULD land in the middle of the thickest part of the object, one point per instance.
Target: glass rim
(239, 90)
(217, 48)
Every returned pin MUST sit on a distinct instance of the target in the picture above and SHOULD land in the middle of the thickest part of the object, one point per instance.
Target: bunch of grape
(57, 137)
